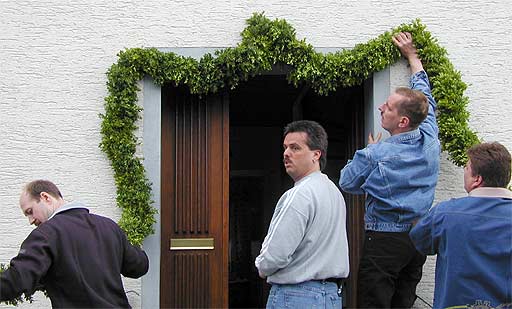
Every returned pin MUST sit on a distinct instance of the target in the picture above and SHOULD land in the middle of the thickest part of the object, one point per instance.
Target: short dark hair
(316, 137)
(414, 105)
(492, 161)
(34, 189)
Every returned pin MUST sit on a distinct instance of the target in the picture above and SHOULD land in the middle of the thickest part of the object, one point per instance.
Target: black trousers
(389, 271)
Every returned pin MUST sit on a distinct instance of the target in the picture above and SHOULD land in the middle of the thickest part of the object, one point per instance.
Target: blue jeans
(309, 294)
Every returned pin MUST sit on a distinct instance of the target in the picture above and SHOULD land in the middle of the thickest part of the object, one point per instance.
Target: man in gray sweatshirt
(305, 252)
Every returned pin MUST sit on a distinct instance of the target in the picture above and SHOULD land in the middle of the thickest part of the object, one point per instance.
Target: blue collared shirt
(398, 174)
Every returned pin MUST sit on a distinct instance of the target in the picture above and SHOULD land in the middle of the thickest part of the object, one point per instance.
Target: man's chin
(289, 171)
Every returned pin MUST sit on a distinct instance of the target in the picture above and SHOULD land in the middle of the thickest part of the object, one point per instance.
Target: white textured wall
(54, 55)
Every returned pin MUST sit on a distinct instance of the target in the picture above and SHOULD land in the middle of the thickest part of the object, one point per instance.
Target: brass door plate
(192, 244)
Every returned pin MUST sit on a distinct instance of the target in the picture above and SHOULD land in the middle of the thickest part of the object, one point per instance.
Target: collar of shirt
(491, 192)
(68, 206)
(405, 136)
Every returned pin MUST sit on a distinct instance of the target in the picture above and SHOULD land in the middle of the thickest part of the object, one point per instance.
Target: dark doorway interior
(259, 110)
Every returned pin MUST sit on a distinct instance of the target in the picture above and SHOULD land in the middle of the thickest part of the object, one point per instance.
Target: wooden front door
(195, 193)
(196, 147)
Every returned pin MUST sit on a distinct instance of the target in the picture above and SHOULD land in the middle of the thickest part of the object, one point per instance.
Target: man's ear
(479, 181)
(45, 196)
(404, 122)
(317, 154)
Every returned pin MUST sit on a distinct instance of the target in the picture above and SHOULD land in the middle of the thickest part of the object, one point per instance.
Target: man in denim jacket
(472, 235)
(398, 176)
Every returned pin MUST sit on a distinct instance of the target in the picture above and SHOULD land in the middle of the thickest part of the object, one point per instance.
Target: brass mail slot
(192, 244)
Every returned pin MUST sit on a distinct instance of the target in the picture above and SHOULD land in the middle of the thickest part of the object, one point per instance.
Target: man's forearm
(415, 63)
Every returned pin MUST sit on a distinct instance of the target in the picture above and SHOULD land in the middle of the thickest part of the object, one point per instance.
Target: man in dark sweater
(76, 256)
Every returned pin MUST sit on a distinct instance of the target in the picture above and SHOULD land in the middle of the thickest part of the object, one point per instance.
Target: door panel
(355, 209)
(194, 199)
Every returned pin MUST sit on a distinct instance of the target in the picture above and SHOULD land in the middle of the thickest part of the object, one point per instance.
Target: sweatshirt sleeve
(135, 260)
(285, 233)
(27, 268)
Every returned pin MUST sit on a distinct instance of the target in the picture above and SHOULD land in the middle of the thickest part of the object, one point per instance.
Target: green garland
(264, 43)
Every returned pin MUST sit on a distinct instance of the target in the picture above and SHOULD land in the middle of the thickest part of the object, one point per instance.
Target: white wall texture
(54, 55)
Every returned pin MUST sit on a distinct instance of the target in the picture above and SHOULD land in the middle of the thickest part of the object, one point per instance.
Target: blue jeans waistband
(388, 227)
(308, 294)
(316, 284)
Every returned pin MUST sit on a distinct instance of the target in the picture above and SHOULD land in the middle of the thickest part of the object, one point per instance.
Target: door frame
(376, 90)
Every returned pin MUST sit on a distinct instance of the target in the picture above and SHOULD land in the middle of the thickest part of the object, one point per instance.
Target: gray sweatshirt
(307, 238)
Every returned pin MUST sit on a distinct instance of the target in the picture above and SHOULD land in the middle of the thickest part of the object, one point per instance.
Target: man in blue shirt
(398, 176)
(472, 236)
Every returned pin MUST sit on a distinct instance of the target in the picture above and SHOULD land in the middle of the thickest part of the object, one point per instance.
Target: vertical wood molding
(190, 208)
(191, 280)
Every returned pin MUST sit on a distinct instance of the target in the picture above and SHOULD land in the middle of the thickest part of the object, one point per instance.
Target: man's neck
(306, 175)
(58, 204)
(401, 130)
(491, 192)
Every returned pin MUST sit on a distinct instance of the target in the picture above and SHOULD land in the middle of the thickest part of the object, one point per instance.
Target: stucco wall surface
(54, 56)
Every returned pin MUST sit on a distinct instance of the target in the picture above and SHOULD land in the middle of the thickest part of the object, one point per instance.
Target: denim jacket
(398, 174)
(472, 237)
